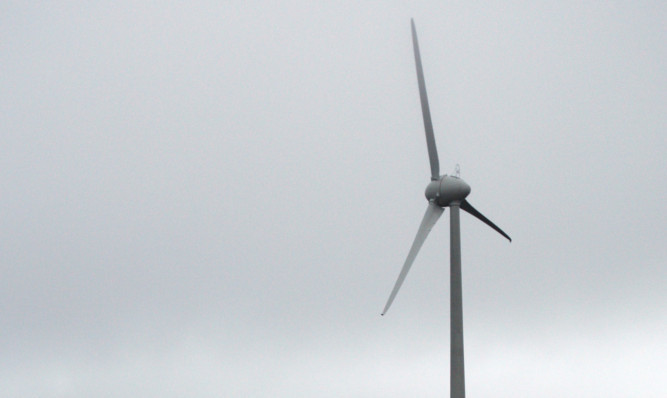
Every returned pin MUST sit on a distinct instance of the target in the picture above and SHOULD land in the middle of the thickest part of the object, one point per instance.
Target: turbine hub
(447, 190)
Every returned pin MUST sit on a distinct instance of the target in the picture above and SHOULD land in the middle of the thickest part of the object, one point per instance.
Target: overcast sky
(214, 199)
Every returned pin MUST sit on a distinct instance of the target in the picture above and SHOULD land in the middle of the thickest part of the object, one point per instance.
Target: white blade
(433, 213)
(426, 112)
(465, 205)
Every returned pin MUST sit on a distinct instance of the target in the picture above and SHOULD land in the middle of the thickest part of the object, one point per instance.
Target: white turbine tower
(443, 191)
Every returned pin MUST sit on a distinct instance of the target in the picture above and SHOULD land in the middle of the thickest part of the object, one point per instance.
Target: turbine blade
(433, 213)
(428, 125)
(465, 205)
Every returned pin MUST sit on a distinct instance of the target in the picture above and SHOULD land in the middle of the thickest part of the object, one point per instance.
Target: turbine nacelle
(447, 190)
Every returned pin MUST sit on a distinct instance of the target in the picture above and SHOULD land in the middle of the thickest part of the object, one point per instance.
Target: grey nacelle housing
(446, 190)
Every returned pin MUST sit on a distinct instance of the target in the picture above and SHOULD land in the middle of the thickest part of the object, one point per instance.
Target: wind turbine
(443, 191)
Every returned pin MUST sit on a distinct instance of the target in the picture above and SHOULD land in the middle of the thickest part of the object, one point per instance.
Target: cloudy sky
(214, 199)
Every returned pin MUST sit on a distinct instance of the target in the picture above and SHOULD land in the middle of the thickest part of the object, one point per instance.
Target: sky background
(214, 199)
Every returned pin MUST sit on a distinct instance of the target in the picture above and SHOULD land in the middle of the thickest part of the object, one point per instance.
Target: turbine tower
(443, 191)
